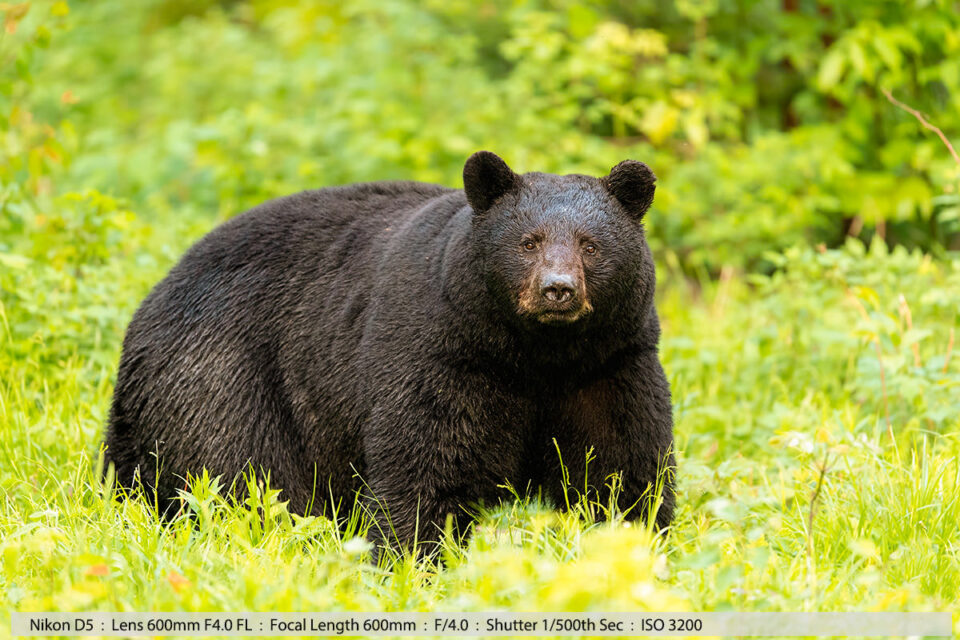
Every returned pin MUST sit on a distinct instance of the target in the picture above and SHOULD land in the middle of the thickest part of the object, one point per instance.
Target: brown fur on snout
(562, 260)
(530, 294)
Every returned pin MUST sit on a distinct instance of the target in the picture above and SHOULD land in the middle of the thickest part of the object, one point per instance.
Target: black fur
(633, 184)
(486, 177)
(389, 330)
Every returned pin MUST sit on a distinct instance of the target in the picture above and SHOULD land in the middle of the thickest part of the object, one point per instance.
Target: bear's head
(562, 251)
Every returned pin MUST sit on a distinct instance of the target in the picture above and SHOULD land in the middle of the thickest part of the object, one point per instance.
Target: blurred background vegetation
(805, 230)
(765, 119)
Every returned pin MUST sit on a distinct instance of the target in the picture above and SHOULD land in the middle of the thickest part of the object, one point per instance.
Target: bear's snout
(556, 295)
(555, 290)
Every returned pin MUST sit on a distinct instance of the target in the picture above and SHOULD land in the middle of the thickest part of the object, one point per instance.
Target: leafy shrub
(766, 122)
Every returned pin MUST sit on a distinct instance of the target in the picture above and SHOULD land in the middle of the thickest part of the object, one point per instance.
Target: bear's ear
(632, 183)
(486, 177)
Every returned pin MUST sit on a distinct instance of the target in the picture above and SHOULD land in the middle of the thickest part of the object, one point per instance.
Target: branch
(816, 495)
(811, 572)
(919, 116)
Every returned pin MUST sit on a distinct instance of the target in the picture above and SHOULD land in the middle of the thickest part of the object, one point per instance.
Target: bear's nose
(558, 287)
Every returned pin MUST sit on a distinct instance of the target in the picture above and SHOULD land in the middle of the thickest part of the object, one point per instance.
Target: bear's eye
(529, 245)
(590, 249)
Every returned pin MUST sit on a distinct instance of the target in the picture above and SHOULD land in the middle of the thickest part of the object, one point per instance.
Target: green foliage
(766, 123)
(131, 129)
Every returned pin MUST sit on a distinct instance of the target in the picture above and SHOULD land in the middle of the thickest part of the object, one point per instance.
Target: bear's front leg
(436, 448)
(626, 420)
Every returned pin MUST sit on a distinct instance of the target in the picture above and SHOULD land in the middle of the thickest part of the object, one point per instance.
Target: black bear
(422, 344)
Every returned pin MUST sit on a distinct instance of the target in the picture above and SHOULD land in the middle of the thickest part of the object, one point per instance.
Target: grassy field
(817, 399)
(834, 373)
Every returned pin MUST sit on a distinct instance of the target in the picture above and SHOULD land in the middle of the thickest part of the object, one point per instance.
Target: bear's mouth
(558, 317)
(563, 316)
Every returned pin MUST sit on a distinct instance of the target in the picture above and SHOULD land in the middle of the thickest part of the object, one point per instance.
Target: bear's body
(425, 344)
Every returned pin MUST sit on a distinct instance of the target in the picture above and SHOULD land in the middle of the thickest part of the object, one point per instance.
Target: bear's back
(283, 244)
(311, 221)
